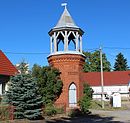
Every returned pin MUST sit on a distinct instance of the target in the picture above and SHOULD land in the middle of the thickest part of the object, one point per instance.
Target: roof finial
(64, 4)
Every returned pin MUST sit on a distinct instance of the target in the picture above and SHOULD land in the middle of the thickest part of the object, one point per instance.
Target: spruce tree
(23, 95)
(120, 63)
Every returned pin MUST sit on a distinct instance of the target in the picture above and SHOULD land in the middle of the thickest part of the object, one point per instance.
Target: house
(7, 69)
(116, 81)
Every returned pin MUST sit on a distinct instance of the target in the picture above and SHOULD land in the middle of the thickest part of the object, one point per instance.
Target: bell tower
(66, 55)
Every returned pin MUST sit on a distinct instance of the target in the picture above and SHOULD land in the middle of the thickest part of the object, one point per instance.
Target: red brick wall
(70, 66)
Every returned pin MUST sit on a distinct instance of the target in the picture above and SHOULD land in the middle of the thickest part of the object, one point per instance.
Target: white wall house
(3, 83)
(116, 81)
(109, 90)
(7, 69)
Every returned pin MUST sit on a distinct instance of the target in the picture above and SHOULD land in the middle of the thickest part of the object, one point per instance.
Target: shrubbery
(49, 86)
(49, 83)
(75, 112)
(5, 113)
(51, 110)
(85, 101)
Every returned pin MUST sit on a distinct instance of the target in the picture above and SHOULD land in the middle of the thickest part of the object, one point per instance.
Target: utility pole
(102, 82)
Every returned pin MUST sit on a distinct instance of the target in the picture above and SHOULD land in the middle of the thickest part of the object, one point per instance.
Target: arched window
(72, 95)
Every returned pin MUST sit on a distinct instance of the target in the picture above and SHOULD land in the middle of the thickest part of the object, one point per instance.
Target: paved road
(97, 116)
(122, 116)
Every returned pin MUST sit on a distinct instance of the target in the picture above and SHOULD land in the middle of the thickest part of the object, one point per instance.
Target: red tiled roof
(110, 78)
(6, 67)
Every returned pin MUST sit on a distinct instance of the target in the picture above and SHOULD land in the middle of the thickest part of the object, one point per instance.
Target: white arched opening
(72, 45)
(72, 95)
(60, 45)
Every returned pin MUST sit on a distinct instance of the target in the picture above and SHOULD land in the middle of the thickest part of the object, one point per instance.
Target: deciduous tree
(49, 82)
(92, 63)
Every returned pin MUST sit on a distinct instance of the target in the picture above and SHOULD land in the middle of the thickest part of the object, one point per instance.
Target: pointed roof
(6, 67)
(66, 20)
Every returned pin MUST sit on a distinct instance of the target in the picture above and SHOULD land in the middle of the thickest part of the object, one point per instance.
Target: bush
(4, 113)
(75, 112)
(60, 110)
(85, 101)
(50, 110)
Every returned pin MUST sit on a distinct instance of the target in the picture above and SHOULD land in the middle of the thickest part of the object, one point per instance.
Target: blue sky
(24, 26)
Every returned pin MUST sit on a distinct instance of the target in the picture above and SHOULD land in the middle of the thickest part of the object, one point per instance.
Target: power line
(111, 55)
(117, 48)
(91, 50)
(120, 48)
(25, 53)
(40, 53)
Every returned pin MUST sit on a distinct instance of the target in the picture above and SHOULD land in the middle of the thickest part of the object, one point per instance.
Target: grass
(95, 104)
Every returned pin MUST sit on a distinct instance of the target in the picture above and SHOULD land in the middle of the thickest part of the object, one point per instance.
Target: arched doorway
(72, 95)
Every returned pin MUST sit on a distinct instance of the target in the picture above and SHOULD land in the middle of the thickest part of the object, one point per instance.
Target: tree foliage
(23, 95)
(85, 101)
(92, 63)
(120, 63)
(49, 82)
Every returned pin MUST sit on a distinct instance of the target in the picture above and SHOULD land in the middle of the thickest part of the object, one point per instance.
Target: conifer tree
(120, 63)
(23, 95)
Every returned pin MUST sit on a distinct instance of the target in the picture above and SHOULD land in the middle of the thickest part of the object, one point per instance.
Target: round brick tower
(66, 55)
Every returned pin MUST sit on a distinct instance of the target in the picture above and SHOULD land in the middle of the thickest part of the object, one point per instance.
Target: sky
(24, 27)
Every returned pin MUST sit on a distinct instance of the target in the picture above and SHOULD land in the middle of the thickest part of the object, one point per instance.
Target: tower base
(70, 66)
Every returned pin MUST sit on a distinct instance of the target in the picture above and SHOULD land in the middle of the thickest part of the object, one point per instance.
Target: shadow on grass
(84, 119)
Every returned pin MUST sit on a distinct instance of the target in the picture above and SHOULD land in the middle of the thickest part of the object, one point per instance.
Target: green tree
(120, 63)
(23, 95)
(92, 63)
(49, 82)
(85, 101)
